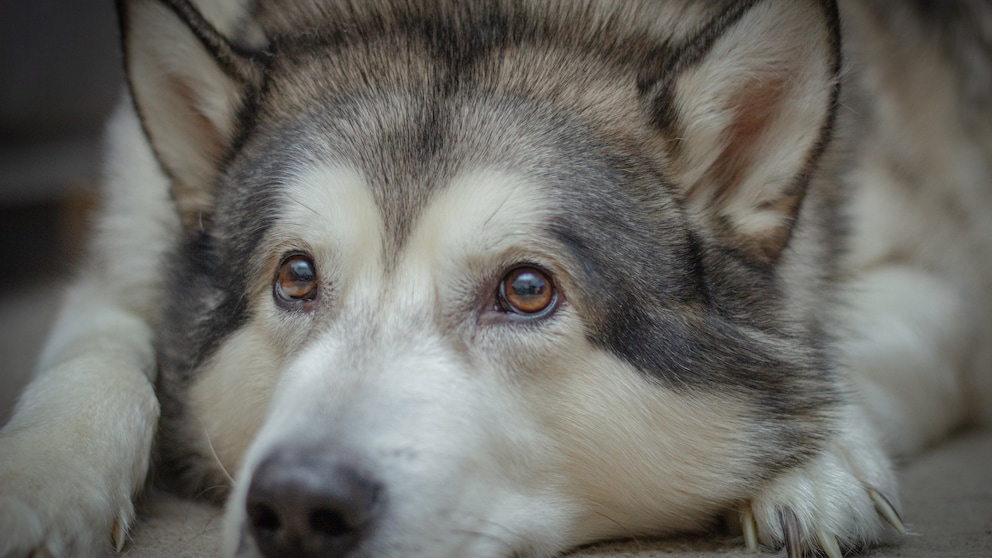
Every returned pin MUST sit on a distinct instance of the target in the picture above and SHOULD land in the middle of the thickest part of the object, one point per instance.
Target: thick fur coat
(492, 279)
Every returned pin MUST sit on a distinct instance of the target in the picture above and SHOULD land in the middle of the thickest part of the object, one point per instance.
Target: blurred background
(60, 75)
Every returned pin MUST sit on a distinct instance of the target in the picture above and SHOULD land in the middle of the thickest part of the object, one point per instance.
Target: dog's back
(918, 263)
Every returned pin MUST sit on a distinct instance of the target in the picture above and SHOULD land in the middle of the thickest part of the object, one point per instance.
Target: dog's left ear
(188, 83)
(746, 108)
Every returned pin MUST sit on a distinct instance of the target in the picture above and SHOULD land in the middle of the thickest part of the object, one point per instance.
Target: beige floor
(947, 492)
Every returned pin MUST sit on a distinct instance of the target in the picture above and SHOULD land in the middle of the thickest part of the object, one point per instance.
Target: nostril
(263, 517)
(329, 523)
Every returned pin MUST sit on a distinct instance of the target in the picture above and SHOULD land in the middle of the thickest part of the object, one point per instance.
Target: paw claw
(750, 528)
(790, 530)
(829, 544)
(118, 534)
(887, 510)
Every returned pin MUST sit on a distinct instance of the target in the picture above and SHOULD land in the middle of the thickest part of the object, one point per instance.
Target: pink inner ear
(199, 127)
(758, 105)
(756, 134)
(189, 136)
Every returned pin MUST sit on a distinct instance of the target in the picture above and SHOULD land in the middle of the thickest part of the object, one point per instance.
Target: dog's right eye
(297, 280)
(527, 291)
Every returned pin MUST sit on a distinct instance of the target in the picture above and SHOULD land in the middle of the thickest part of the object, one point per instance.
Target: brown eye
(527, 291)
(297, 279)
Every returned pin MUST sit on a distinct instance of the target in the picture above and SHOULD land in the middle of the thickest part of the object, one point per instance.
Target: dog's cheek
(230, 399)
(639, 455)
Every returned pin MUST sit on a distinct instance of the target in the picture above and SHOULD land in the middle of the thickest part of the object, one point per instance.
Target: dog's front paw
(71, 459)
(61, 519)
(835, 503)
(50, 509)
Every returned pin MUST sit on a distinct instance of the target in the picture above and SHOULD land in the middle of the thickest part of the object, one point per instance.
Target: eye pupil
(300, 271)
(528, 285)
(526, 291)
(297, 279)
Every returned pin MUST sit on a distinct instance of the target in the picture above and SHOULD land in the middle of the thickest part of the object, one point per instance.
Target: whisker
(213, 452)
(627, 532)
(492, 537)
(495, 211)
(199, 494)
(515, 549)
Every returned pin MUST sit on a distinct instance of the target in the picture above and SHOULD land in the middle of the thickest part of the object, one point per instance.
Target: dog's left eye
(527, 291)
(297, 279)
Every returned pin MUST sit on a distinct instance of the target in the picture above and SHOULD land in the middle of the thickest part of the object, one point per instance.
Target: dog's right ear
(746, 108)
(188, 83)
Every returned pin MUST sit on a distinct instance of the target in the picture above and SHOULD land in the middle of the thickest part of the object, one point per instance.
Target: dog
(439, 278)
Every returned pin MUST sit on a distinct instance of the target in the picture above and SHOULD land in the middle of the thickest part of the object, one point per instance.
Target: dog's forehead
(408, 154)
(337, 64)
(474, 164)
(474, 213)
(413, 94)
(542, 129)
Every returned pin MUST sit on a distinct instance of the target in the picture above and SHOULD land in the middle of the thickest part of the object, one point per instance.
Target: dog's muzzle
(305, 502)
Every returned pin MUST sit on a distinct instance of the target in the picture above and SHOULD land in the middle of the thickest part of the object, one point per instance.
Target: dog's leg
(78, 445)
(906, 344)
(906, 335)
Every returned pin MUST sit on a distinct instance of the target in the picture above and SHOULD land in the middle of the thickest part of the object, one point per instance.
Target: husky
(439, 278)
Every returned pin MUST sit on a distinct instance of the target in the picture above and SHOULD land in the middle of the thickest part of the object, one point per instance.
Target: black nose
(307, 503)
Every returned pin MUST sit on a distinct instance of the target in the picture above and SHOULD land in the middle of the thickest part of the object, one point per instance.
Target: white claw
(885, 509)
(750, 528)
(118, 534)
(829, 543)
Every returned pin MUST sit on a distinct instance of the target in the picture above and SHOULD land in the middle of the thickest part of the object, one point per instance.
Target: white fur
(77, 447)
(239, 380)
(907, 343)
(347, 389)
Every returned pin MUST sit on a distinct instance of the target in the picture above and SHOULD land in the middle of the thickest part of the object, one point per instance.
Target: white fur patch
(906, 345)
(331, 209)
(230, 398)
(481, 214)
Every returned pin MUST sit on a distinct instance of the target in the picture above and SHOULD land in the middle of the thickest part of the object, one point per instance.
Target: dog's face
(460, 282)
(463, 365)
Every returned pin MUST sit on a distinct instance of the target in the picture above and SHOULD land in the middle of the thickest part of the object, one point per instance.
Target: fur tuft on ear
(746, 114)
(188, 84)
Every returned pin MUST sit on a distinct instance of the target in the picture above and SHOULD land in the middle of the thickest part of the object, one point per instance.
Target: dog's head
(487, 279)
